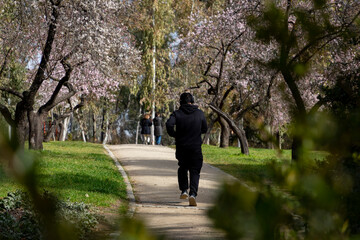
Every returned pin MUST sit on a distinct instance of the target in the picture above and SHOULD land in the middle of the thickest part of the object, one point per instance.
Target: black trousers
(189, 161)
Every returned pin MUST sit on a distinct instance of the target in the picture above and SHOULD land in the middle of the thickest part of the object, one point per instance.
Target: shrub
(19, 220)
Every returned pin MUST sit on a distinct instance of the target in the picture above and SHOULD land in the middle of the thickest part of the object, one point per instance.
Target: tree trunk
(138, 127)
(296, 149)
(64, 129)
(81, 126)
(239, 132)
(243, 142)
(103, 127)
(206, 139)
(225, 133)
(154, 78)
(218, 138)
(271, 143)
(83, 135)
(21, 130)
(280, 138)
(21, 124)
(94, 126)
(51, 132)
(36, 130)
(107, 134)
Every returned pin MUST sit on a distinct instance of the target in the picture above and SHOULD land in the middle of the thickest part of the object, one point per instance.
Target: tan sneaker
(184, 195)
(192, 201)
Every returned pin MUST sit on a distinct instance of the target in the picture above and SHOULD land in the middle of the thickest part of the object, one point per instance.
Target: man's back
(190, 124)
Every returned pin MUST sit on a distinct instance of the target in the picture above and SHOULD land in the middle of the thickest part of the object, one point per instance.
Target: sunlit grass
(248, 167)
(77, 171)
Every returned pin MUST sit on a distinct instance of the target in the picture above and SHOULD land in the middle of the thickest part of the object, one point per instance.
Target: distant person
(158, 130)
(145, 128)
(190, 123)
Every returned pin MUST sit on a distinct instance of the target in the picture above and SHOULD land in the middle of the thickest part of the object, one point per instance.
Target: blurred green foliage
(70, 170)
(316, 201)
(36, 215)
(19, 219)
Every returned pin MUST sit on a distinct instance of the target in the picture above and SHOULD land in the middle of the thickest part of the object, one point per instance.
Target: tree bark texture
(107, 132)
(51, 131)
(296, 149)
(94, 126)
(21, 124)
(239, 132)
(64, 129)
(206, 139)
(24, 113)
(225, 133)
(36, 130)
(103, 127)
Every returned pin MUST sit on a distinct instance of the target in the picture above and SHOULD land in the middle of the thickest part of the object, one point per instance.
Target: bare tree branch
(201, 82)
(7, 115)
(40, 74)
(225, 96)
(232, 41)
(54, 100)
(252, 106)
(239, 132)
(213, 76)
(3, 66)
(11, 91)
(317, 105)
(332, 36)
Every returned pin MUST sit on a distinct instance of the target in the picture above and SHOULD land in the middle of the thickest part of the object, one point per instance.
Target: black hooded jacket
(190, 123)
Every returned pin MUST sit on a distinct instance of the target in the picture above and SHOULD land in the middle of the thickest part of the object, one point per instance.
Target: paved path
(153, 174)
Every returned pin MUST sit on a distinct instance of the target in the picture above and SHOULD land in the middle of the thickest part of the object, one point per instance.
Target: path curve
(153, 174)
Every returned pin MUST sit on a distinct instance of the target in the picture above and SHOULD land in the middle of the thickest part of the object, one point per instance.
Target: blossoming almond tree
(85, 48)
(223, 49)
(313, 39)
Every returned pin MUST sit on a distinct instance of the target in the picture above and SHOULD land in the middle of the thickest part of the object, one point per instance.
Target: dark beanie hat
(186, 98)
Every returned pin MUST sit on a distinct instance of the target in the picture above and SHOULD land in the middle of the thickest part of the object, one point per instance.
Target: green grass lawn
(247, 168)
(80, 172)
(7, 184)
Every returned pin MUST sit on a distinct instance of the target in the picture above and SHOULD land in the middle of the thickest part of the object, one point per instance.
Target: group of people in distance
(186, 125)
(146, 124)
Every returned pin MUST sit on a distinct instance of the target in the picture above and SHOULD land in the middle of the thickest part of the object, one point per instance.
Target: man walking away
(158, 128)
(190, 123)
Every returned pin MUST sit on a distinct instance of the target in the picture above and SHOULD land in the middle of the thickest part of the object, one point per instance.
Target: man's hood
(188, 108)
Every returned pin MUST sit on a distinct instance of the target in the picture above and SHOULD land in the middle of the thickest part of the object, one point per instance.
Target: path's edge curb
(129, 189)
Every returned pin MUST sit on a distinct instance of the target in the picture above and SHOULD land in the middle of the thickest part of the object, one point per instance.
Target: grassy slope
(244, 167)
(76, 171)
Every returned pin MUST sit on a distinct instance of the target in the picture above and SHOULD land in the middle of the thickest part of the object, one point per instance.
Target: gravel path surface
(153, 174)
